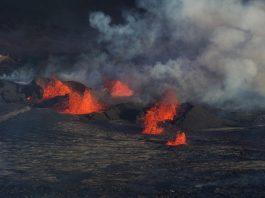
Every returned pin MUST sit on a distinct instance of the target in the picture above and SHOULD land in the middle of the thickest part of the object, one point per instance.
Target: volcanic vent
(132, 98)
(76, 99)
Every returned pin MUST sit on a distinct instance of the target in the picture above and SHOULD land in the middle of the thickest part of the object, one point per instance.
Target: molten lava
(55, 88)
(118, 88)
(84, 103)
(179, 140)
(165, 110)
(78, 103)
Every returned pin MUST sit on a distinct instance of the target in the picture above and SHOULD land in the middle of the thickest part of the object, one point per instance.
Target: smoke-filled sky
(209, 51)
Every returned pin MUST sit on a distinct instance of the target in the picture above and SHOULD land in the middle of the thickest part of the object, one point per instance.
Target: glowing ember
(78, 103)
(119, 89)
(164, 110)
(29, 98)
(179, 140)
(55, 88)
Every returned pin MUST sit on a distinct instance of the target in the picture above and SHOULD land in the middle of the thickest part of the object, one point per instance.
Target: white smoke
(23, 75)
(207, 50)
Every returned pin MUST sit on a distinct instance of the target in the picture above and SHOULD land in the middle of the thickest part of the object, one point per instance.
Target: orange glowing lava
(118, 88)
(84, 103)
(165, 110)
(179, 140)
(55, 88)
(78, 103)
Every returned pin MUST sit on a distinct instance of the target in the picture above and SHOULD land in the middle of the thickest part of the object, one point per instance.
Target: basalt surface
(46, 154)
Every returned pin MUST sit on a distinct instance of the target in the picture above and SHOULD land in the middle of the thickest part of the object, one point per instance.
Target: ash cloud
(209, 51)
(23, 75)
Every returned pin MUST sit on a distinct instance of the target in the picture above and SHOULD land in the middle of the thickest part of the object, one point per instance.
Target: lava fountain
(78, 103)
(55, 88)
(118, 88)
(84, 103)
(164, 110)
(180, 139)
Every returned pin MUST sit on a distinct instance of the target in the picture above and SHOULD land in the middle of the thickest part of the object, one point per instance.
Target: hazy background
(208, 51)
(30, 28)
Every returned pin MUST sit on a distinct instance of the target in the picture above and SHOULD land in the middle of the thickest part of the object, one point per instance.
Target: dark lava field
(46, 154)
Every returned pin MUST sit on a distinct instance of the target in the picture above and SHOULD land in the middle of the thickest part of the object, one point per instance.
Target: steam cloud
(23, 75)
(209, 51)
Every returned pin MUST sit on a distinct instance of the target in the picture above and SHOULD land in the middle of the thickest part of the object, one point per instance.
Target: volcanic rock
(7, 64)
(249, 118)
(127, 111)
(11, 92)
(260, 120)
(202, 117)
(58, 102)
(189, 117)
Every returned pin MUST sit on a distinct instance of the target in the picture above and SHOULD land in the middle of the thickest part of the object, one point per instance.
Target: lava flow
(165, 110)
(78, 103)
(118, 88)
(180, 139)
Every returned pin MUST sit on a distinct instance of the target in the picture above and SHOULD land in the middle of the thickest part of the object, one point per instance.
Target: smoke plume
(209, 51)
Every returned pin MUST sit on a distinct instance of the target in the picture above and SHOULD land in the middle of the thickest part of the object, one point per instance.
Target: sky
(31, 28)
(60, 13)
